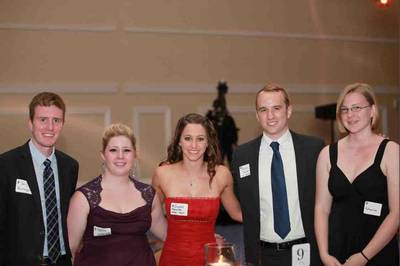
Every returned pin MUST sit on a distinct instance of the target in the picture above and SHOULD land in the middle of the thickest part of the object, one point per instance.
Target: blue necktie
(53, 238)
(279, 194)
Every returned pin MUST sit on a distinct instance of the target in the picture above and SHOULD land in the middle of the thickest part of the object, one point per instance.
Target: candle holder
(219, 254)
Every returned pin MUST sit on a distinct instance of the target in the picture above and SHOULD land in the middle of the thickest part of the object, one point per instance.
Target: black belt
(283, 245)
(47, 262)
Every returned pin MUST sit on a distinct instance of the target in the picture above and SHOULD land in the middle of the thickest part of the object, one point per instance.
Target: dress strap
(147, 191)
(333, 153)
(92, 190)
(381, 150)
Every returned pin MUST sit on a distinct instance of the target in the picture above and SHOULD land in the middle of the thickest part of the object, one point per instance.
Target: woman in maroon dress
(192, 182)
(109, 216)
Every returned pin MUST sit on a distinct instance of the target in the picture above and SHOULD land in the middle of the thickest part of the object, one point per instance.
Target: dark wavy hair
(212, 154)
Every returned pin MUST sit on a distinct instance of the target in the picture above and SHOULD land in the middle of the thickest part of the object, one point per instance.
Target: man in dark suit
(36, 183)
(278, 216)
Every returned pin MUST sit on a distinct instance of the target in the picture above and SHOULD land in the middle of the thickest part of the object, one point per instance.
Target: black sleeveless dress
(350, 230)
(113, 238)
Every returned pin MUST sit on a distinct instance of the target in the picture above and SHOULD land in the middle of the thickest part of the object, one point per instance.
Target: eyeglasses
(354, 109)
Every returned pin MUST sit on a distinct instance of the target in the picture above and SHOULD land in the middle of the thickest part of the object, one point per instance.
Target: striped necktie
(53, 238)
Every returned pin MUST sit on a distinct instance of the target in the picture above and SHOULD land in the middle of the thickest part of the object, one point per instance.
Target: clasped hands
(354, 260)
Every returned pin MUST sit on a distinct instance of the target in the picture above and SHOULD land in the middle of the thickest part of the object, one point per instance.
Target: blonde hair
(365, 90)
(274, 88)
(118, 129)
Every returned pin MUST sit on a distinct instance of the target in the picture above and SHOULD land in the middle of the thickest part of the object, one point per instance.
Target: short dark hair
(46, 99)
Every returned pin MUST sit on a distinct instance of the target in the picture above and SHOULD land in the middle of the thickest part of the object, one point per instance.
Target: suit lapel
(301, 156)
(62, 174)
(253, 159)
(28, 173)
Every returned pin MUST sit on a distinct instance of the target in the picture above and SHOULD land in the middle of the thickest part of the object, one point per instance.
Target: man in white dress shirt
(269, 242)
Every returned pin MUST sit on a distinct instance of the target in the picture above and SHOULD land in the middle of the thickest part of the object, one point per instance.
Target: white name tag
(301, 255)
(244, 170)
(21, 186)
(179, 209)
(100, 231)
(372, 208)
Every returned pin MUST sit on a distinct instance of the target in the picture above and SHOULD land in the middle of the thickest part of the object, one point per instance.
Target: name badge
(301, 255)
(21, 186)
(244, 170)
(179, 209)
(372, 208)
(100, 231)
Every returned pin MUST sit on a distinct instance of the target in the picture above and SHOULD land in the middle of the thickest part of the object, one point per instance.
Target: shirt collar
(282, 140)
(38, 157)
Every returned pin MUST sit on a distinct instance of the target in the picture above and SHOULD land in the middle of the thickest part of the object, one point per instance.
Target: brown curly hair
(212, 154)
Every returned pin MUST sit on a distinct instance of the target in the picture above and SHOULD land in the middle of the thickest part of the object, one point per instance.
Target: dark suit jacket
(21, 221)
(306, 150)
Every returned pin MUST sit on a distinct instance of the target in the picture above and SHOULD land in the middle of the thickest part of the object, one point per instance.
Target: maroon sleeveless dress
(113, 238)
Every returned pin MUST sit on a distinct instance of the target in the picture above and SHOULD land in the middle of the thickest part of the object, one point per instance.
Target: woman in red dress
(192, 182)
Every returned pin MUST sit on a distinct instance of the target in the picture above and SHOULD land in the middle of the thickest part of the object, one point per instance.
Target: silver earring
(103, 168)
(132, 172)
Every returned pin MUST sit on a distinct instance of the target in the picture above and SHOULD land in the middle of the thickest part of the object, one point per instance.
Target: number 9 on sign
(301, 255)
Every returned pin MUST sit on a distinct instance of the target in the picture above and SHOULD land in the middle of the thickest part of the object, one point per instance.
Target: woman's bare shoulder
(222, 169)
(393, 144)
(166, 170)
(223, 174)
(324, 153)
(392, 149)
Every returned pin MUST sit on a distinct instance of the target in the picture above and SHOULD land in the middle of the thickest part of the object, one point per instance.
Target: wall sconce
(383, 3)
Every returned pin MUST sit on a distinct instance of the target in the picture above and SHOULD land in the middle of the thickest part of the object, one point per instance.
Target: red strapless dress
(191, 224)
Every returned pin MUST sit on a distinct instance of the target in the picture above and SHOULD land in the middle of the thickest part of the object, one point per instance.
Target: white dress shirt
(286, 149)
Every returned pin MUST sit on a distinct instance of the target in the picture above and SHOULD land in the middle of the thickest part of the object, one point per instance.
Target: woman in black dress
(357, 196)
